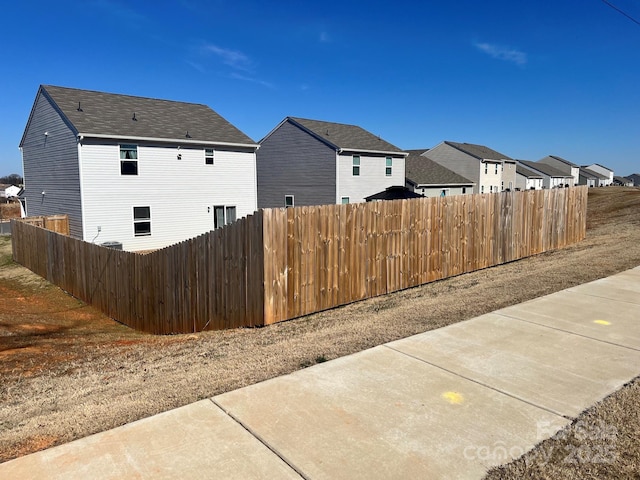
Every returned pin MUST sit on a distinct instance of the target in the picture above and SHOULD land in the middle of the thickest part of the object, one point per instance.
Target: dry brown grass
(9, 210)
(67, 371)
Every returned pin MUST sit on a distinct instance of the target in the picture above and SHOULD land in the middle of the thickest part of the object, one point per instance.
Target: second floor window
(141, 221)
(388, 167)
(128, 160)
(486, 168)
(496, 168)
(356, 165)
(208, 156)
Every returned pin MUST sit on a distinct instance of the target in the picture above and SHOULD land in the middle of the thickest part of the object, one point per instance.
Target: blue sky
(527, 78)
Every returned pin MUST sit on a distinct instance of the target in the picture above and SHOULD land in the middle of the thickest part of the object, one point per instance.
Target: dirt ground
(67, 371)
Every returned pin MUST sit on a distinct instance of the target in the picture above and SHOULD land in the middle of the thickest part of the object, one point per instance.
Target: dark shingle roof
(600, 165)
(346, 137)
(394, 193)
(585, 172)
(560, 159)
(544, 168)
(421, 170)
(418, 151)
(522, 170)
(622, 180)
(109, 114)
(479, 151)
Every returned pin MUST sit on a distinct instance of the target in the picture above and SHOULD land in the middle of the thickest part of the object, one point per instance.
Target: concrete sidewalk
(449, 403)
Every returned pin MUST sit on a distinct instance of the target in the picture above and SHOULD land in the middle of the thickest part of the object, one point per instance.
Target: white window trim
(293, 201)
(141, 220)
(354, 165)
(388, 166)
(224, 215)
(128, 146)
(212, 156)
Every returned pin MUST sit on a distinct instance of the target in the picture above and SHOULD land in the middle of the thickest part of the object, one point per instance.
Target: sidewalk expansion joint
(261, 440)
(582, 335)
(477, 382)
(572, 290)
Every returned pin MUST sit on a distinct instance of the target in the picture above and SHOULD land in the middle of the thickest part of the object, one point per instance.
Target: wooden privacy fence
(280, 264)
(55, 223)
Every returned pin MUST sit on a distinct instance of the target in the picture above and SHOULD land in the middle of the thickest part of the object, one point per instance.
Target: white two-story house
(312, 162)
(106, 160)
(527, 179)
(565, 166)
(551, 176)
(602, 171)
(490, 171)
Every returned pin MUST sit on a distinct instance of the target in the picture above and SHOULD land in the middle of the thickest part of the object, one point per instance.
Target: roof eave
(379, 152)
(181, 141)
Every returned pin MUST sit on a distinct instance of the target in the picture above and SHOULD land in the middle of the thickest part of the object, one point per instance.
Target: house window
(356, 165)
(496, 168)
(502, 185)
(345, 200)
(464, 190)
(288, 201)
(482, 189)
(389, 165)
(208, 156)
(490, 188)
(128, 160)
(223, 215)
(141, 221)
(486, 168)
(231, 214)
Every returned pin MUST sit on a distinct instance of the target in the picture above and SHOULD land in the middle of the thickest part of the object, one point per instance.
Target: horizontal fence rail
(280, 264)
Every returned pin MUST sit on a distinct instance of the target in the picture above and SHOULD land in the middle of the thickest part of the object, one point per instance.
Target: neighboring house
(635, 178)
(12, 191)
(564, 166)
(551, 176)
(527, 179)
(488, 170)
(426, 177)
(311, 162)
(622, 181)
(601, 170)
(600, 179)
(105, 160)
(3, 187)
(589, 178)
(394, 193)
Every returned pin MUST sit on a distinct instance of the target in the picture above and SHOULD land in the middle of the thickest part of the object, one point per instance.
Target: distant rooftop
(479, 151)
(346, 137)
(421, 170)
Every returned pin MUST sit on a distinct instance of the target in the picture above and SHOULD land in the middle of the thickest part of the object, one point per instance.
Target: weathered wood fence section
(56, 223)
(280, 264)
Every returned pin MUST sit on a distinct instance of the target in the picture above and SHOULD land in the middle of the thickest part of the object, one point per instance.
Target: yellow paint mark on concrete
(453, 397)
(602, 322)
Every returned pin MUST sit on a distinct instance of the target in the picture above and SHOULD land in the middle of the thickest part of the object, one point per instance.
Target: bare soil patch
(67, 371)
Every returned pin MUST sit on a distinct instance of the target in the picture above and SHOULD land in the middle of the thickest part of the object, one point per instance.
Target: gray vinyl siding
(292, 162)
(458, 162)
(51, 165)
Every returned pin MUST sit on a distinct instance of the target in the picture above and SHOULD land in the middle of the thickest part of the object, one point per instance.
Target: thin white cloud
(119, 10)
(502, 53)
(234, 58)
(196, 66)
(244, 78)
